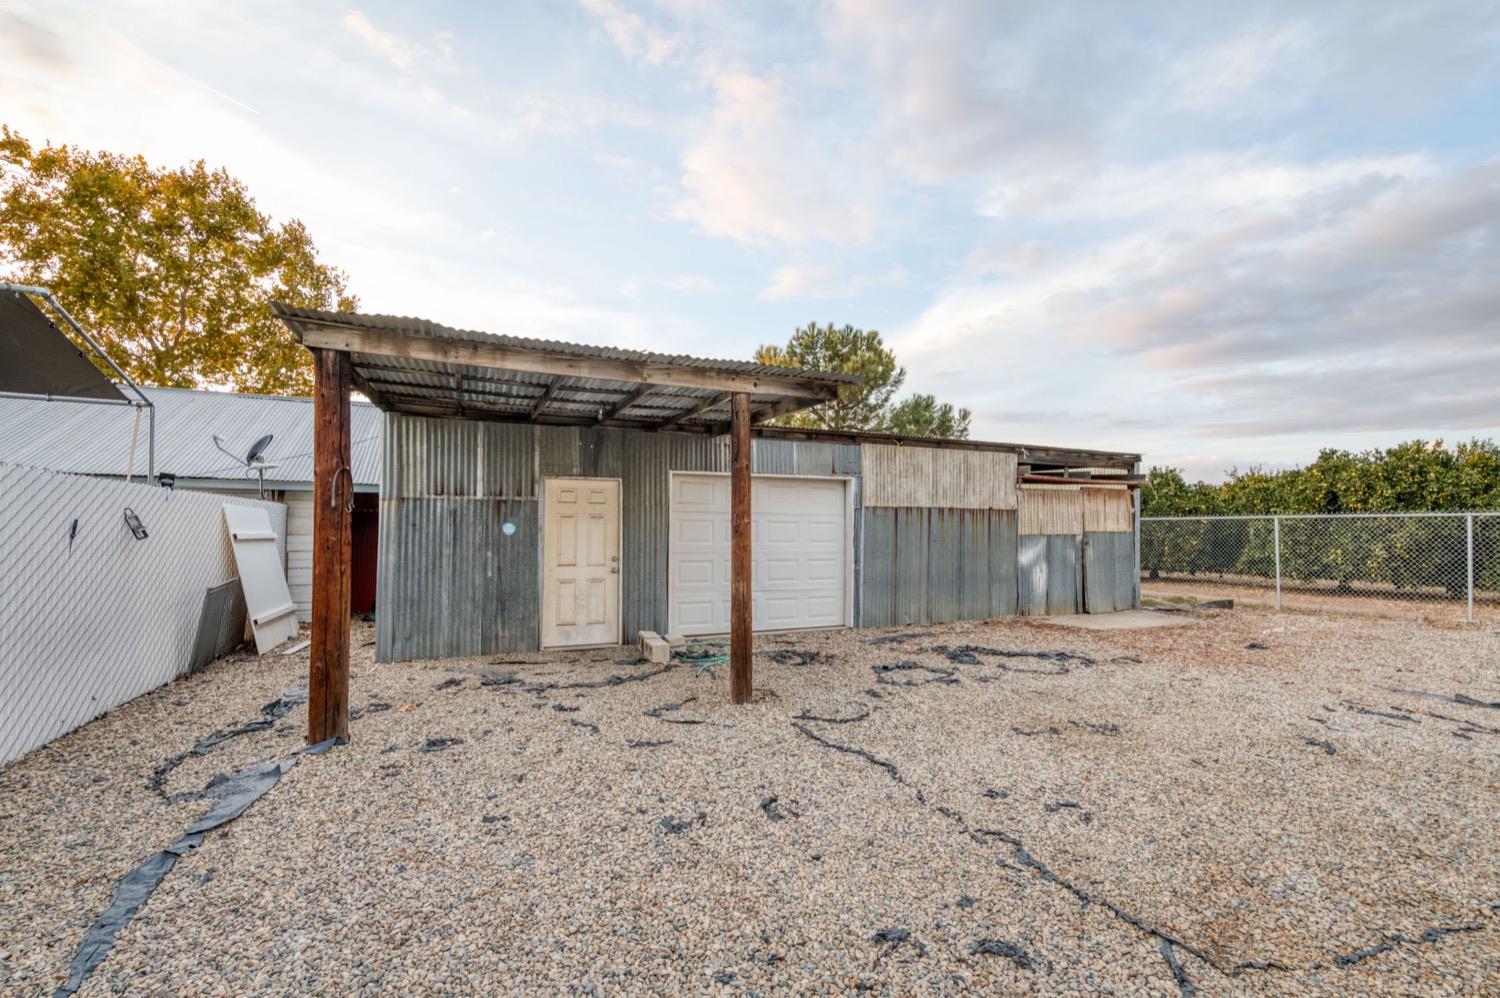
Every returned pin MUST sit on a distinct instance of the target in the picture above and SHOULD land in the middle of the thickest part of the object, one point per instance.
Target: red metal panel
(364, 536)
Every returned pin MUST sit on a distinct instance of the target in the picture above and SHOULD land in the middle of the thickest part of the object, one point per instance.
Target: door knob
(614, 570)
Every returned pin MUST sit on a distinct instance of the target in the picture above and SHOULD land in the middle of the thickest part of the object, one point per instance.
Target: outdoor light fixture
(134, 523)
(166, 480)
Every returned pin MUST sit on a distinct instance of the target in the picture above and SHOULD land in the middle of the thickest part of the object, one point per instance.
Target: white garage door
(798, 553)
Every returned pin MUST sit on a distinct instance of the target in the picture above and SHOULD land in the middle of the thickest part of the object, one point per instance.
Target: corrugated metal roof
(624, 388)
(95, 439)
(411, 326)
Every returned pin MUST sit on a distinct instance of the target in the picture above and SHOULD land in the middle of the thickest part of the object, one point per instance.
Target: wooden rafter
(546, 396)
(627, 402)
(698, 409)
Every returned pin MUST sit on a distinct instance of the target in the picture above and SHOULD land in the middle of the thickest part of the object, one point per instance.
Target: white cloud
(796, 281)
(395, 48)
(636, 39)
(410, 59)
(699, 283)
(1226, 74)
(757, 176)
(1343, 298)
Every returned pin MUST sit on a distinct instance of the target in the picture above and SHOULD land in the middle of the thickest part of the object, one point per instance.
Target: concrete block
(677, 641)
(655, 649)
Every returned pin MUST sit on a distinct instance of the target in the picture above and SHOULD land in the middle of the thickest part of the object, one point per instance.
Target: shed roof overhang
(415, 366)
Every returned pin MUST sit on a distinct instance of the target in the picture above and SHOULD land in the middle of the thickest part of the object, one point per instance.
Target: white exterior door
(799, 553)
(581, 562)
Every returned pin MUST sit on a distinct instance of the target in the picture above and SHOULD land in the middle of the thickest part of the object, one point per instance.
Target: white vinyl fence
(91, 617)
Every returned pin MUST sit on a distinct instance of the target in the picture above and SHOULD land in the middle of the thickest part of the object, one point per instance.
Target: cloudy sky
(1218, 236)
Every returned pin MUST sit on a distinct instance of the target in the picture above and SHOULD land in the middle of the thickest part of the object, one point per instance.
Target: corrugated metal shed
(450, 484)
(915, 475)
(95, 439)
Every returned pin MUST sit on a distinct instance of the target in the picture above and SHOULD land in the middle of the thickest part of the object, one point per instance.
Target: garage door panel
(798, 553)
(696, 529)
(694, 492)
(825, 532)
(825, 570)
(781, 530)
(824, 609)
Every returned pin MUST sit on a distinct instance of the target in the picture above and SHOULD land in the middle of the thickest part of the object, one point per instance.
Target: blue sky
(1220, 237)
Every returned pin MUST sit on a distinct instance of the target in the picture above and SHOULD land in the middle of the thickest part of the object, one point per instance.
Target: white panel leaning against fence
(1357, 561)
(93, 617)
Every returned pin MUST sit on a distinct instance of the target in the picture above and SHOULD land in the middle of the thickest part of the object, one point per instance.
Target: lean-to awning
(420, 367)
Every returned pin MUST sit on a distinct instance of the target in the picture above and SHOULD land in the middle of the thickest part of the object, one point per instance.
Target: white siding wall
(90, 624)
(299, 534)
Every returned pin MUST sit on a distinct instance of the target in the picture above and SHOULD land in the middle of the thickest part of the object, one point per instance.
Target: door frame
(541, 556)
(849, 512)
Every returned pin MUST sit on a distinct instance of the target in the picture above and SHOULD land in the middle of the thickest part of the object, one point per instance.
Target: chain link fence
(1387, 563)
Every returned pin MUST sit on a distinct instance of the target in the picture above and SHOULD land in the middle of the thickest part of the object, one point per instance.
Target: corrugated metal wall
(912, 475)
(1048, 578)
(1110, 578)
(450, 583)
(929, 566)
(91, 624)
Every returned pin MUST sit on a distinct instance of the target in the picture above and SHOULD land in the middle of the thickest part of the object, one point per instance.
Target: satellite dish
(258, 448)
(252, 460)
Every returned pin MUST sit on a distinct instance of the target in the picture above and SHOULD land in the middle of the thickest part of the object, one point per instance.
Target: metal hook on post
(333, 489)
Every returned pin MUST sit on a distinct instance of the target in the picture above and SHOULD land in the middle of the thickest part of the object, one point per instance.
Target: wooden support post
(740, 598)
(328, 655)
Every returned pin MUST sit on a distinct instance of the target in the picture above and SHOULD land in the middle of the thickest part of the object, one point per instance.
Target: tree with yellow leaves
(171, 270)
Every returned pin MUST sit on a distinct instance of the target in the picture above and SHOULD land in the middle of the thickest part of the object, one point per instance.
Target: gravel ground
(1153, 812)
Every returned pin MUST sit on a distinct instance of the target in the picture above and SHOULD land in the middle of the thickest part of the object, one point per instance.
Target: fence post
(1470, 523)
(1136, 543)
(1276, 540)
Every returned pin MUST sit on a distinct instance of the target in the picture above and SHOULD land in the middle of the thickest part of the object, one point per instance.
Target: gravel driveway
(1245, 803)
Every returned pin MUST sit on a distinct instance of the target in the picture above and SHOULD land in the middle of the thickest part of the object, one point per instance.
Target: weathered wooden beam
(741, 597)
(546, 396)
(699, 409)
(781, 408)
(328, 653)
(322, 335)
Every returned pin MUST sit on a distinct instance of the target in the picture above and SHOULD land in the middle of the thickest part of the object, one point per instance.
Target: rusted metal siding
(1106, 509)
(927, 566)
(912, 475)
(1051, 509)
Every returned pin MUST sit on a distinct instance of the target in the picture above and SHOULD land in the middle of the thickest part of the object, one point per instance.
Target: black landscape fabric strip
(270, 714)
(235, 794)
